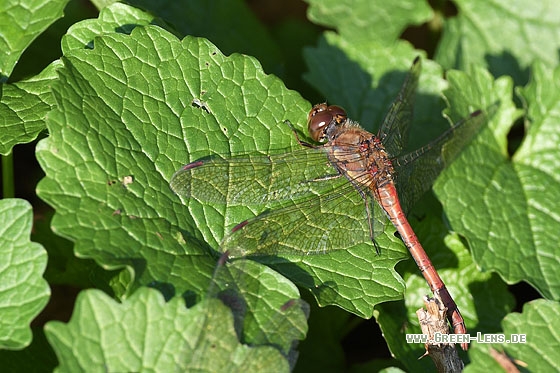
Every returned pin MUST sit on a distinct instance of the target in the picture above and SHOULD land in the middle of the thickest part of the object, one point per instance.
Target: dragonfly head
(321, 118)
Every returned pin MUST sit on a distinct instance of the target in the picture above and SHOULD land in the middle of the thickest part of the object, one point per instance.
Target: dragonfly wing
(332, 221)
(395, 127)
(417, 171)
(252, 179)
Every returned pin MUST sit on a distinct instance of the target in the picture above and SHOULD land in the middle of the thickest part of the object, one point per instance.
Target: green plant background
(117, 101)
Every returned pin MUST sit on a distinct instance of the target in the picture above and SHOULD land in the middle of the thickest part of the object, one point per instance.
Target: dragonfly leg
(301, 142)
(368, 202)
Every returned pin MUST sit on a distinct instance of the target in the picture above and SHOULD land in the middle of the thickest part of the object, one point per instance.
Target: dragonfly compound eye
(338, 113)
(320, 117)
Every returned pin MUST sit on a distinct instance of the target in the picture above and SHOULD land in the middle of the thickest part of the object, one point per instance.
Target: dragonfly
(337, 194)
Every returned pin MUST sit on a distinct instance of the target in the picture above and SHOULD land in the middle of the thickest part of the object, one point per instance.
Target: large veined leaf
(514, 230)
(507, 37)
(379, 20)
(24, 291)
(160, 336)
(529, 340)
(25, 104)
(19, 29)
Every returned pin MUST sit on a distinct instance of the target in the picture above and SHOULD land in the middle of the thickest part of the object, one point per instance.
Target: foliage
(141, 90)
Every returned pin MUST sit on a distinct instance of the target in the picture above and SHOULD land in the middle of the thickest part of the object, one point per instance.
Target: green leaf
(21, 24)
(100, 4)
(63, 267)
(24, 292)
(24, 106)
(229, 24)
(161, 336)
(506, 208)
(482, 360)
(367, 19)
(537, 322)
(536, 325)
(118, 209)
(507, 37)
(117, 17)
(265, 305)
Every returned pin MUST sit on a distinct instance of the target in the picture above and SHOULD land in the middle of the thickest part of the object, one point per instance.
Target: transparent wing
(253, 179)
(395, 127)
(336, 220)
(322, 210)
(417, 171)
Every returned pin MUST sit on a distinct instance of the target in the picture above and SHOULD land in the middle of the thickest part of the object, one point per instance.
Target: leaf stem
(8, 190)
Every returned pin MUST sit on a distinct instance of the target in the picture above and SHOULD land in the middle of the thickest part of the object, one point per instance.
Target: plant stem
(8, 176)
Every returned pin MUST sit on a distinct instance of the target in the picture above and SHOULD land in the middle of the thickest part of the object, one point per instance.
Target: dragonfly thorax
(360, 156)
(356, 153)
